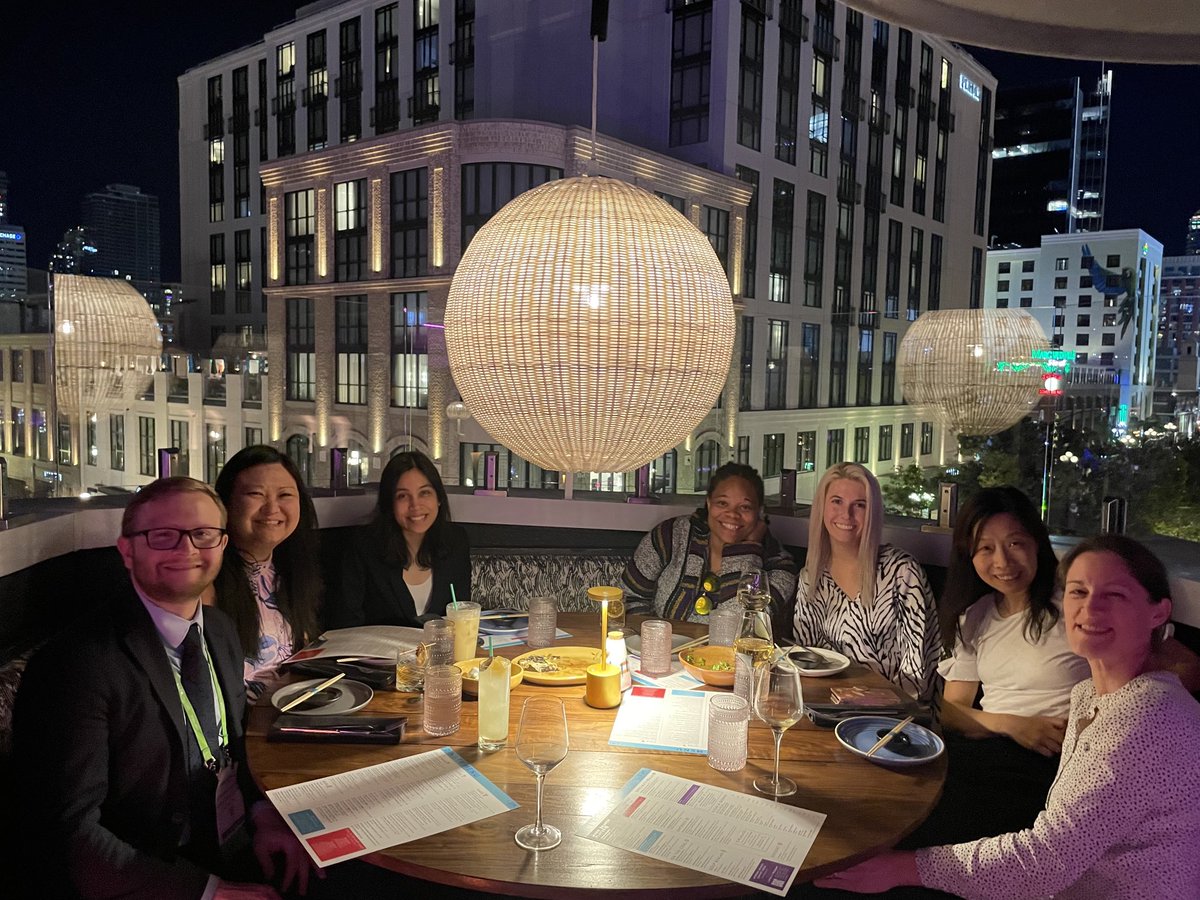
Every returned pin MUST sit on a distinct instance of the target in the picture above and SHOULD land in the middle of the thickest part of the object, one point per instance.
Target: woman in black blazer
(400, 568)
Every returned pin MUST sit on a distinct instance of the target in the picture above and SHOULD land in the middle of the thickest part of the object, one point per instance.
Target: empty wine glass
(778, 701)
(541, 745)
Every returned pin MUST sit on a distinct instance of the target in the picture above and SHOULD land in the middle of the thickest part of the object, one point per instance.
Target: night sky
(88, 98)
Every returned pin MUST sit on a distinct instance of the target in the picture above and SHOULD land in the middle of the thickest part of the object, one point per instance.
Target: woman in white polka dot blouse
(1122, 819)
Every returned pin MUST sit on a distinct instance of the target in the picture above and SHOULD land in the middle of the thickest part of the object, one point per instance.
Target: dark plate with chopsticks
(913, 745)
(347, 696)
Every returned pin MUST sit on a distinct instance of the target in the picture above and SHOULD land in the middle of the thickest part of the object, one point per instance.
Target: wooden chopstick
(506, 616)
(703, 639)
(304, 695)
(883, 741)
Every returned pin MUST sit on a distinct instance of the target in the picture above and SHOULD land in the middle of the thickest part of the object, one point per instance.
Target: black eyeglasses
(169, 538)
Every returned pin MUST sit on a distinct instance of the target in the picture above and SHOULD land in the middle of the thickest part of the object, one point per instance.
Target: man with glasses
(128, 737)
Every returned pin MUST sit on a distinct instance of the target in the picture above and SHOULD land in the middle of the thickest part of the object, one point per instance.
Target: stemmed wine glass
(778, 701)
(541, 745)
(752, 583)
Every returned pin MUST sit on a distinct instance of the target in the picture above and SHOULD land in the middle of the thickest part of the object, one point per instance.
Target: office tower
(1050, 160)
(121, 223)
(1192, 241)
(3, 197)
(1177, 369)
(75, 254)
(13, 274)
(1096, 296)
(865, 148)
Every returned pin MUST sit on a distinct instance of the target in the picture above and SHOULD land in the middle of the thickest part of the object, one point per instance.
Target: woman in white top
(866, 600)
(1121, 819)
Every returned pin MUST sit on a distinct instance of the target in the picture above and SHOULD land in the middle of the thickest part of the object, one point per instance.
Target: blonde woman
(866, 600)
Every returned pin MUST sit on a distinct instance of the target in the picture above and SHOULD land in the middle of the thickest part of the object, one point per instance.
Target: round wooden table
(868, 807)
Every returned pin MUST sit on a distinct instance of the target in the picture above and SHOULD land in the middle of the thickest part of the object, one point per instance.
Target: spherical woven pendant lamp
(589, 326)
(973, 369)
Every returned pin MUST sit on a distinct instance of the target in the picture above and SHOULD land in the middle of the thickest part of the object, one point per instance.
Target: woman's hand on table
(875, 875)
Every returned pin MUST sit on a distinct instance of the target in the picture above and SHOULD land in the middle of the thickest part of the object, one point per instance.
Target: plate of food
(343, 697)
(712, 665)
(558, 665)
(817, 662)
(503, 621)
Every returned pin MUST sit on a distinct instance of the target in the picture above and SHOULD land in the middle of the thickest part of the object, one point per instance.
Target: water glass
(543, 622)
(728, 721)
(443, 700)
(724, 624)
(439, 639)
(656, 648)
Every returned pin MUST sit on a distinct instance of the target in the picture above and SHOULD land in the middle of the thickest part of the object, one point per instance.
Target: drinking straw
(453, 596)
(491, 652)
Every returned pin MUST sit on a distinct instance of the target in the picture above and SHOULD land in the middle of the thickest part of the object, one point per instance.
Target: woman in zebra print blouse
(867, 600)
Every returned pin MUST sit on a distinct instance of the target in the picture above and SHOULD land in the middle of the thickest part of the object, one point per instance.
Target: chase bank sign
(12, 235)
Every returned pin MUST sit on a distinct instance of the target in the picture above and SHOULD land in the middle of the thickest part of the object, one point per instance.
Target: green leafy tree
(908, 492)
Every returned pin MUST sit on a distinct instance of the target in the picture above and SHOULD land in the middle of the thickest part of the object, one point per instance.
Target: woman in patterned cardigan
(1121, 819)
(867, 600)
(687, 565)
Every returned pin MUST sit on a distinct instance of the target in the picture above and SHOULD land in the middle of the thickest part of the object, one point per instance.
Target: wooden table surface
(868, 807)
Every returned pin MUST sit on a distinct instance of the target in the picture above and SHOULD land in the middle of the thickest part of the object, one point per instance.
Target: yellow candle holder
(602, 685)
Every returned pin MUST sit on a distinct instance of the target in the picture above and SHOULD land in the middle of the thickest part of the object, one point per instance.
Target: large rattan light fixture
(589, 326)
(973, 370)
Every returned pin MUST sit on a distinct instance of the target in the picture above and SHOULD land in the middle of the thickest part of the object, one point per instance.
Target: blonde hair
(166, 487)
(819, 547)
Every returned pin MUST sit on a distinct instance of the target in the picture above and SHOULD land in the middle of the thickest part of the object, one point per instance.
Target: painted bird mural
(1123, 286)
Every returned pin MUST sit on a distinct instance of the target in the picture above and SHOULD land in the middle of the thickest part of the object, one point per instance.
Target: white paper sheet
(749, 840)
(655, 718)
(512, 640)
(343, 816)
(366, 642)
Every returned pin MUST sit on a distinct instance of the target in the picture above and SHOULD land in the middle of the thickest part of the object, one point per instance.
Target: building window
(818, 120)
(180, 440)
(835, 447)
(891, 308)
(1004, 268)
(1001, 303)
(301, 349)
(251, 436)
(916, 252)
(887, 374)
(779, 288)
(216, 274)
(866, 366)
(316, 93)
(1085, 281)
(975, 288)
(1114, 261)
(1060, 264)
(716, 229)
(806, 451)
(837, 365)
(488, 186)
(350, 320)
(462, 57)
(743, 449)
(386, 113)
(814, 249)
(18, 429)
(862, 444)
(284, 104)
(935, 271)
(906, 440)
(788, 89)
(18, 366)
(147, 446)
(750, 80)
(299, 231)
(772, 455)
(1027, 284)
(747, 362)
(410, 350)
(926, 438)
(1060, 283)
(810, 364)
(777, 335)
(1002, 286)
(116, 442)
(691, 61)
(1081, 340)
(750, 253)
(38, 358)
(1083, 321)
(41, 433)
(1108, 339)
(1109, 320)
(426, 100)
(348, 86)
(1026, 302)
(350, 230)
(885, 443)
(214, 457)
(243, 273)
(1027, 265)
(410, 223)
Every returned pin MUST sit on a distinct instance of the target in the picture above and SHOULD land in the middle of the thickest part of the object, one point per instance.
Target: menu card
(749, 840)
(343, 816)
(655, 718)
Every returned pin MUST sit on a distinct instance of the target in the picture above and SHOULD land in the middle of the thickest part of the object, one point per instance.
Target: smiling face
(733, 510)
(1005, 557)
(845, 512)
(1109, 615)
(264, 509)
(173, 579)
(414, 504)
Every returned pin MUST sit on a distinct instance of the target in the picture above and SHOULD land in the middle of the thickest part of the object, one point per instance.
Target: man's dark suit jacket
(100, 755)
(371, 592)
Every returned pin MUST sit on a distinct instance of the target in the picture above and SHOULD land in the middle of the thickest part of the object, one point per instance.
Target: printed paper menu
(655, 718)
(344, 816)
(749, 840)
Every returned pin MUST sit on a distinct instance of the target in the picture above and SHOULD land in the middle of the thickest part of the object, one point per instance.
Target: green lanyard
(210, 761)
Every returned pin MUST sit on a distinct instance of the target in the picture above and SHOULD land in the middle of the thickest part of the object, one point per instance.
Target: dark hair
(166, 487)
(963, 584)
(298, 585)
(737, 470)
(388, 530)
(1146, 568)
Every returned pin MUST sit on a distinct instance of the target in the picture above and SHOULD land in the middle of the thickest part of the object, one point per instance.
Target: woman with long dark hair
(400, 568)
(270, 579)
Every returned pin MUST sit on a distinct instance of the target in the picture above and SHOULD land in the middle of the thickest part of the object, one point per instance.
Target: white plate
(633, 643)
(837, 663)
(516, 623)
(352, 696)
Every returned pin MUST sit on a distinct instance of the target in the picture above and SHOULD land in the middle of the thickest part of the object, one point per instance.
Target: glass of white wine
(778, 701)
(541, 745)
